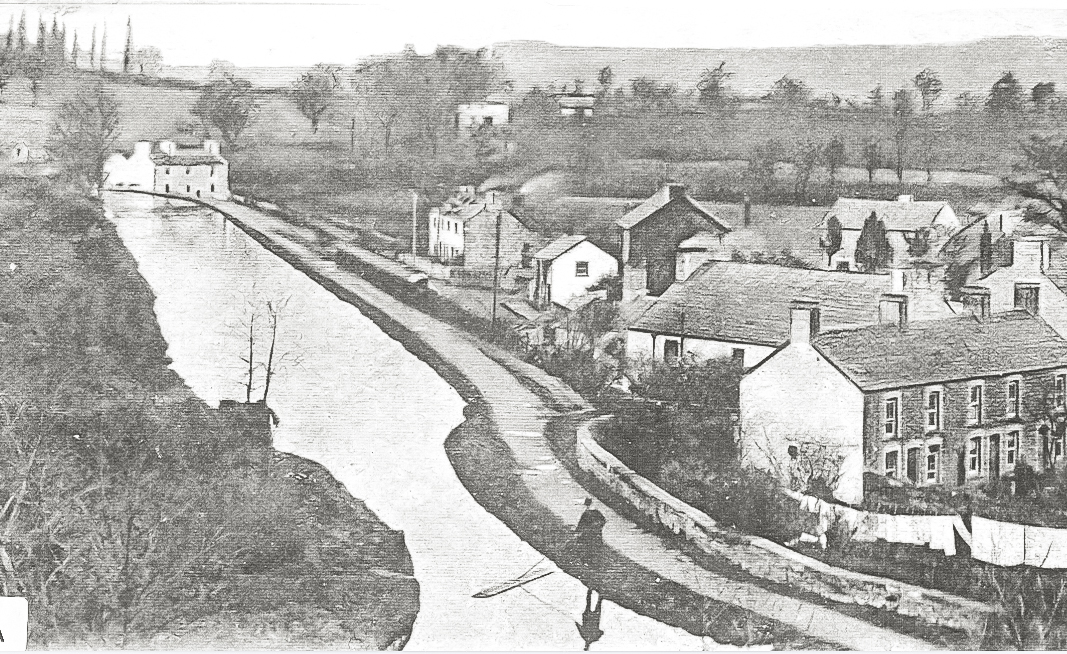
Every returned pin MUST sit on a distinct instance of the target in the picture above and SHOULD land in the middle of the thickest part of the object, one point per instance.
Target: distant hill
(851, 71)
(264, 77)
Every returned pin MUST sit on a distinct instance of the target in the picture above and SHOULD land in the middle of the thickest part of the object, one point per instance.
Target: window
(672, 349)
(581, 269)
(933, 411)
(1061, 389)
(212, 171)
(212, 188)
(1013, 398)
(1026, 298)
(892, 417)
(187, 189)
(974, 455)
(737, 354)
(933, 464)
(974, 408)
(166, 188)
(1011, 447)
(892, 463)
(168, 170)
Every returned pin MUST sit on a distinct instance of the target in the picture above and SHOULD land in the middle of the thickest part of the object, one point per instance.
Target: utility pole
(352, 136)
(414, 223)
(496, 266)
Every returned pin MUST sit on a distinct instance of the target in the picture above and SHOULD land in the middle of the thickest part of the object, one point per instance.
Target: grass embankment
(141, 517)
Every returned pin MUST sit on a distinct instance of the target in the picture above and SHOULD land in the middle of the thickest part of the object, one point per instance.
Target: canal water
(356, 401)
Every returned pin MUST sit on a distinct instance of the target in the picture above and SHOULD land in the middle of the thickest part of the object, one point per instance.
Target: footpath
(521, 418)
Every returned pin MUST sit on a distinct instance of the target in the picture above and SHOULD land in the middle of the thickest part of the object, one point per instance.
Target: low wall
(765, 559)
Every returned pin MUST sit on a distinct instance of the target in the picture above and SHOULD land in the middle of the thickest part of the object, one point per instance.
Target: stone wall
(765, 559)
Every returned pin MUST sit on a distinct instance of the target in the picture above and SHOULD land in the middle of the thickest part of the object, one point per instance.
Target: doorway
(994, 456)
(913, 465)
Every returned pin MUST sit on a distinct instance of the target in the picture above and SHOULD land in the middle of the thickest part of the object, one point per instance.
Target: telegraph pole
(414, 223)
(496, 266)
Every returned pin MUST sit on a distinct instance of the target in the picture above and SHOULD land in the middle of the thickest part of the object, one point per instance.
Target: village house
(198, 171)
(911, 226)
(651, 235)
(19, 153)
(1033, 281)
(566, 268)
(466, 229)
(482, 114)
(741, 310)
(944, 402)
(576, 105)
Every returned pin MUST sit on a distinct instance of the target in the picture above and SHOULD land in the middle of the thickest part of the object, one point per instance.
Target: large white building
(168, 168)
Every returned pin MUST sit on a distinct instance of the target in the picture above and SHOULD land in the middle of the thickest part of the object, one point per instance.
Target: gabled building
(198, 171)
(945, 402)
(651, 234)
(464, 232)
(566, 268)
(742, 309)
(907, 223)
(1033, 281)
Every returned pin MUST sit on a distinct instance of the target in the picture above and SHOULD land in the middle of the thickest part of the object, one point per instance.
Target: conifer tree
(873, 251)
(103, 48)
(74, 50)
(42, 36)
(9, 42)
(127, 54)
(92, 51)
(22, 33)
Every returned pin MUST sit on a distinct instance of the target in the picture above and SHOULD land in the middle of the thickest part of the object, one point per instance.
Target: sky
(336, 31)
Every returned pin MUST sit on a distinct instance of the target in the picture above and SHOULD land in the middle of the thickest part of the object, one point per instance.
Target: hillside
(849, 71)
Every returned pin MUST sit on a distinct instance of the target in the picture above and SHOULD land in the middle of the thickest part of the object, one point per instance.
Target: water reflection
(589, 629)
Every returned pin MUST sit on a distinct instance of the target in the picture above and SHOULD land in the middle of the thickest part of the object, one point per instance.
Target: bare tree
(84, 133)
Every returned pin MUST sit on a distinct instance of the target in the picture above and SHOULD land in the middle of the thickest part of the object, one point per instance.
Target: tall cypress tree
(22, 33)
(9, 42)
(74, 50)
(42, 36)
(92, 51)
(103, 48)
(127, 54)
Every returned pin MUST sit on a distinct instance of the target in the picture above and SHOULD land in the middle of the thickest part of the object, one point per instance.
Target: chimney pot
(896, 277)
(803, 321)
(1031, 254)
(675, 191)
(893, 308)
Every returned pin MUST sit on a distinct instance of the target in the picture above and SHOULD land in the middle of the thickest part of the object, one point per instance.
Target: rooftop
(749, 303)
(559, 246)
(667, 194)
(180, 158)
(881, 357)
(898, 215)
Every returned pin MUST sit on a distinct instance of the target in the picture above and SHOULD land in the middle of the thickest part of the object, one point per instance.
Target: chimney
(142, 148)
(803, 321)
(896, 277)
(674, 190)
(893, 309)
(976, 301)
(211, 147)
(905, 198)
(167, 147)
(1031, 254)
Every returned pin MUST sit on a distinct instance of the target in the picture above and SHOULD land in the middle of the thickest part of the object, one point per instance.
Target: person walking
(589, 534)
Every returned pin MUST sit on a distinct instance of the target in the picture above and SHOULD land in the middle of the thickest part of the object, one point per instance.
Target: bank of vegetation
(132, 514)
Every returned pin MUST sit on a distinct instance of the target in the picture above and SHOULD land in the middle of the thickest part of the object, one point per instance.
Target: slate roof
(749, 303)
(741, 240)
(187, 159)
(661, 199)
(882, 357)
(558, 247)
(468, 210)
(898, 216)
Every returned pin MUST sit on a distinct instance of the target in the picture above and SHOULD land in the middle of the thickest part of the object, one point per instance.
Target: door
(994, 456)
(913, 465)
